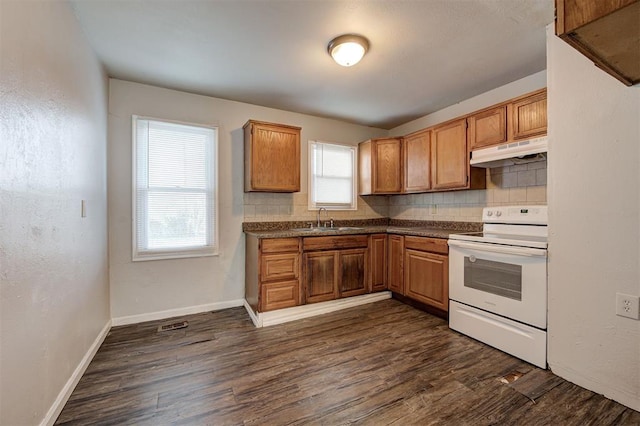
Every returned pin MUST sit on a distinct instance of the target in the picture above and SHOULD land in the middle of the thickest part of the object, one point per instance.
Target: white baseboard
(65, 393)
(265, 319)
(170, 313)
(625, 398)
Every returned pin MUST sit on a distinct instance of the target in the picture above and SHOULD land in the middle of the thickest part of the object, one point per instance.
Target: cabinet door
(416, 151)
(279, 295)
(387, 173)
(378, 262)
(272, 158)
(353, 272)
(488, 128)
(426, 277)
(321, 276)
(449, 158)
(529, 117)
(279, 266)
(395, 265)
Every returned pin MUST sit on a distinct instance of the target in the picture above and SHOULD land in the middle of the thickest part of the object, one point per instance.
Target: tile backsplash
(520, 184)
(272, 207)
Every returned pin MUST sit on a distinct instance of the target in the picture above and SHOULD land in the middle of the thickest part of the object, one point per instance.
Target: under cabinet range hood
(521, 152)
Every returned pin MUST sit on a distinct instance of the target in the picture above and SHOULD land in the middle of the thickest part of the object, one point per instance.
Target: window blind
(174, 190)
(332, 177)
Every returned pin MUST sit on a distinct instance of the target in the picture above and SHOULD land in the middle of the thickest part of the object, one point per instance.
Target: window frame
(312, 205)
(212, 216)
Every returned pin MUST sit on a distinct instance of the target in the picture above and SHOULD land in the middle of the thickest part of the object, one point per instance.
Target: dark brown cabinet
(396, 258)
(352, 274)
(321, 276)
(271, 157)
(605, 31)
(378, 261)
(335, 266)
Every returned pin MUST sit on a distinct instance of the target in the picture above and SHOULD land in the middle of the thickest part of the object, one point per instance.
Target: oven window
(502, 279)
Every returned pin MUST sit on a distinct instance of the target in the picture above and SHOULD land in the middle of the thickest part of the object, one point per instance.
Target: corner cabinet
(380, 166)
(271, 157)
(607, 32)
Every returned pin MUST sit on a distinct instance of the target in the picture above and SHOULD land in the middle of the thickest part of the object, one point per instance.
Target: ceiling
(424, 54)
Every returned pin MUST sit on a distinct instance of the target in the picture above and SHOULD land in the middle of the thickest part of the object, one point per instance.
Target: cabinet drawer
(434, 245)
(334, 242)
(280, 295)
(279, 266)
(279, 245)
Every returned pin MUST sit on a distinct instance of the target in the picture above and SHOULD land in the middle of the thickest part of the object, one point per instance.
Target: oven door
(506, 280)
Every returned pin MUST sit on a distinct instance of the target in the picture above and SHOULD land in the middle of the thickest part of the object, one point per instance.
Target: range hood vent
(522, 152)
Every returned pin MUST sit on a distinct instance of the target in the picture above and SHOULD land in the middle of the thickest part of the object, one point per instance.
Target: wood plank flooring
(378, 364)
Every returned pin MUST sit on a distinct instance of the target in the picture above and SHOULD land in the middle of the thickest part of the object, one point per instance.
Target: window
(332, 179)
(174, 190)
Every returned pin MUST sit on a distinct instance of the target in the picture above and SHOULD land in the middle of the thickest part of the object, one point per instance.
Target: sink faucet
(319, 211)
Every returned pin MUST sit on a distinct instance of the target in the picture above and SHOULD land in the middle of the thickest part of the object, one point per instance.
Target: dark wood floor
(378, 364)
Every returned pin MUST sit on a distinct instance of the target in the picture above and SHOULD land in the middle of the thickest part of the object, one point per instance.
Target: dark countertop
(418, 231)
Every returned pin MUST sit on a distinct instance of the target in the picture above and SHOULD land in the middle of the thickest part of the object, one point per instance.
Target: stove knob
(498, 213)
(489, 213)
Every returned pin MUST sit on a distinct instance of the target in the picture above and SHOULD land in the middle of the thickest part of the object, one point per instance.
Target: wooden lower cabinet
(426, 277)
(395, 281)
(378, 261)
(335, 266)
(321, 276)
(272, 273)
(419, 269)
(352, 272)
(278, 295)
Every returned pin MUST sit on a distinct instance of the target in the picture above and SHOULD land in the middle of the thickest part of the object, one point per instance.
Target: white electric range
(498, 281)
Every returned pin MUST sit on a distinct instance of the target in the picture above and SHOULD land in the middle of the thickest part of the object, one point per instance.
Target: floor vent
(173, 326)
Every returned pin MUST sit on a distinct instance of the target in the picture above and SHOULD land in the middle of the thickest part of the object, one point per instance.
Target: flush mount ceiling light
(348, 49)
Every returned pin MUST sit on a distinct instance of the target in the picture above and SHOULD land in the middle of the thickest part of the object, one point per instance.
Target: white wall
(54, 299)
(143, 290)
(594, 224)
(500, 94)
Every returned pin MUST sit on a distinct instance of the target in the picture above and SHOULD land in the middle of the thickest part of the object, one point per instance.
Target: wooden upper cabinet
(529, 116)
(271, 157)
(449, 159)
(416, 150)
(605, 31)
(380, 166)
(487, 128)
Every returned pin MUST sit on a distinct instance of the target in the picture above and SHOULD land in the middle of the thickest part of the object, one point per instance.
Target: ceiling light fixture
(348, 49)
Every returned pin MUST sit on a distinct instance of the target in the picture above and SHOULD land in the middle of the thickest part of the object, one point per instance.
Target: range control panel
(529, 215)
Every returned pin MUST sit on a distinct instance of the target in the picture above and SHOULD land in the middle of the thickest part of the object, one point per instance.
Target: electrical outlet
(628, 306)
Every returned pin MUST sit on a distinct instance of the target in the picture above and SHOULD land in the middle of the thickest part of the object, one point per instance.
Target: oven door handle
(496, 248)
